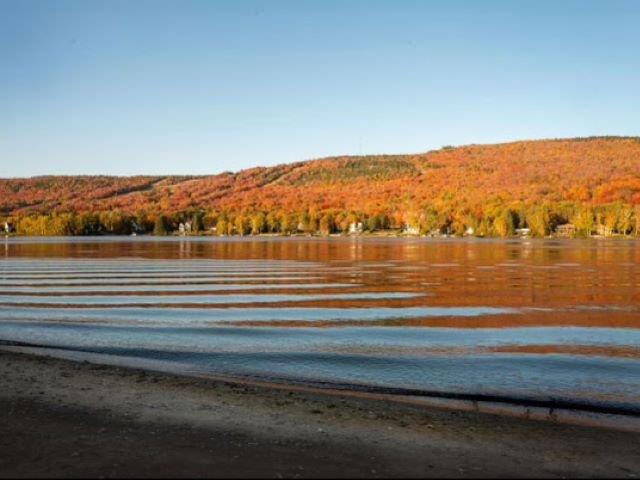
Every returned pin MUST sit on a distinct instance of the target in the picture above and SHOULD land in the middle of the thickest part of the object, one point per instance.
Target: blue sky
(194, 87)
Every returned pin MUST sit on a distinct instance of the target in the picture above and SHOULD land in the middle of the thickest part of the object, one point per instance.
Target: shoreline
(69, 418)
(377, 235)
(591, 414)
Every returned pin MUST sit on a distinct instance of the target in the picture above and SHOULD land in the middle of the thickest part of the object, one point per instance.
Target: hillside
(477, 186)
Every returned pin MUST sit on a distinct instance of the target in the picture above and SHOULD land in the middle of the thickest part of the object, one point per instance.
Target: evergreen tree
(372, 223)
(327, 225)
(197, 222)
(160, 228)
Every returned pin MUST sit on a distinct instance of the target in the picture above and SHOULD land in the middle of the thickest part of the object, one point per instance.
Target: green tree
(384, 222)
(314, 223)
(141, 222)
(210, 220)
(373, 223)
(521, 215)
(327, 225)
(89, 224)
(161, 226)
(197, 222)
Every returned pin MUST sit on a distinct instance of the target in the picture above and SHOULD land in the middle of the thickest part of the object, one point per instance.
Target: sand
(61, 418)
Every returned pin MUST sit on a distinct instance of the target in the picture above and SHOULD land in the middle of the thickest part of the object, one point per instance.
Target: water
(537, 322)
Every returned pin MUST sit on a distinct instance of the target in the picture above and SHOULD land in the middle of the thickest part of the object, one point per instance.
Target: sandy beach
(69, 419)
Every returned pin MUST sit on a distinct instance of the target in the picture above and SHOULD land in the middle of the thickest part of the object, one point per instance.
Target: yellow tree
(503, 223)
(258, 223)
(538, 220)
(625, 219)
(242, 225)
(583, 220)
(221, 226)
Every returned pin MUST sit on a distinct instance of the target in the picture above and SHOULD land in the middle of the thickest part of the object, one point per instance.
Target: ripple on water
(247, 311)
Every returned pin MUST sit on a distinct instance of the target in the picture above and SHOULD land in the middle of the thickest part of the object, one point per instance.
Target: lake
(536, 322)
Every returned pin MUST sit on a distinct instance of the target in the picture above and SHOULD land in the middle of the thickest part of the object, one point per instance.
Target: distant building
(355, 228)
(184, 228)
(566, 230)
(8, 227)
(469, 231)
(411, 230)
(523, 232)
(603, 230)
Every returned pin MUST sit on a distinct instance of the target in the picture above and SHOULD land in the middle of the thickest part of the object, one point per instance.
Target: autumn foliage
(490, 189)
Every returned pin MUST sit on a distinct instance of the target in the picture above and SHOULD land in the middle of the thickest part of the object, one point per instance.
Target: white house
(355, 228)
(411, 229)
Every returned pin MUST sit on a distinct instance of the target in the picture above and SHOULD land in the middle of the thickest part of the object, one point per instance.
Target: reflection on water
(526, 319)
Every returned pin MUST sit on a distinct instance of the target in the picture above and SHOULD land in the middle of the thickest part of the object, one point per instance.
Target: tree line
(493, 219)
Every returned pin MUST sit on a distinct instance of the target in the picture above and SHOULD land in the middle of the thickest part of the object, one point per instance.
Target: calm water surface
(523, 320)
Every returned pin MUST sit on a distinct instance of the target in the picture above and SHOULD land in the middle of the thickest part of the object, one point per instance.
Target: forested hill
(452, 188)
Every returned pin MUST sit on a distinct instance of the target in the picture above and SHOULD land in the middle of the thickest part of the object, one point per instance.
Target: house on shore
(566, 230)
(184, 228)
(411, 230)
(8, 228)
(603, 230)
(356, 228)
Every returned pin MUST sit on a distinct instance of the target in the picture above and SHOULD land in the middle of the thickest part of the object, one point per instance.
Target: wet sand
(67, 419)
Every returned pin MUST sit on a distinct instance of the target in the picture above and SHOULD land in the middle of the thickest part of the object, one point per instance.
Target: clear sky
(194, 87)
